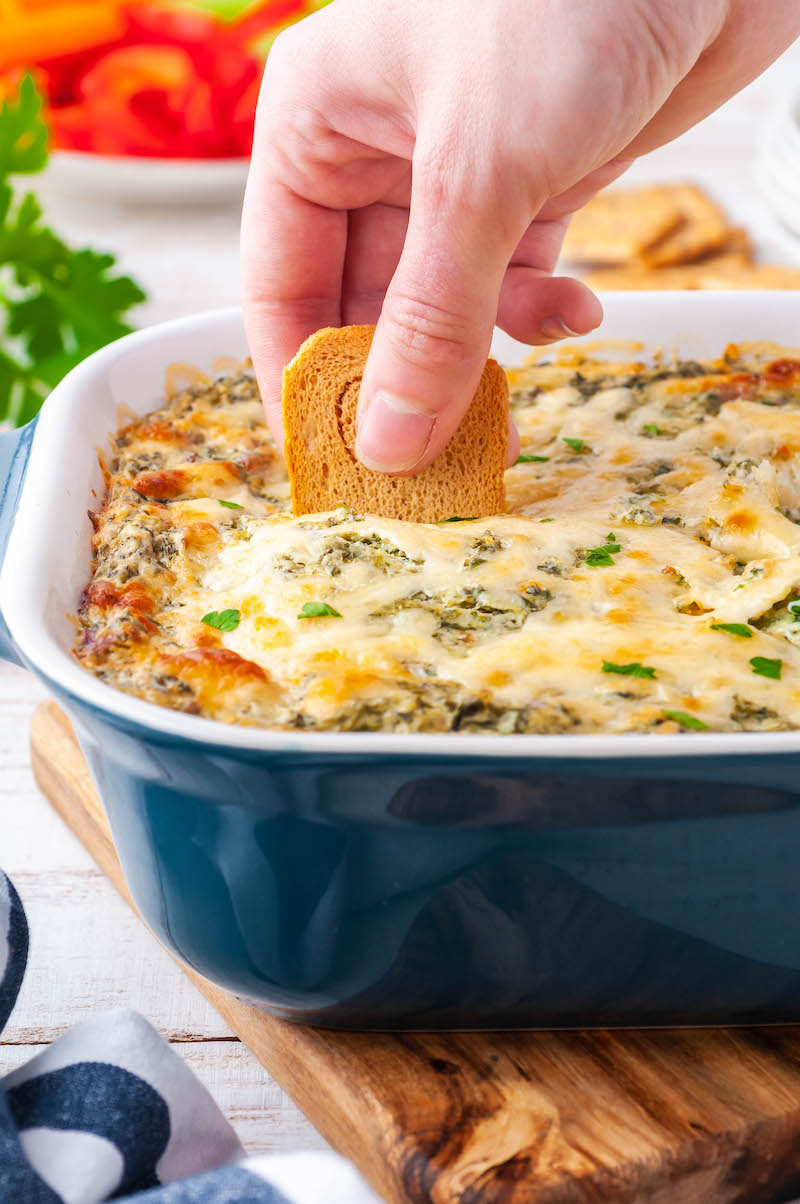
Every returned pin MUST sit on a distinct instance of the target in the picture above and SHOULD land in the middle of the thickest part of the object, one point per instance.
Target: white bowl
(133, 179)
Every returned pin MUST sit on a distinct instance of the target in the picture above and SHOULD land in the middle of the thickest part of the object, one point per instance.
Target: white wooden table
(88, 952)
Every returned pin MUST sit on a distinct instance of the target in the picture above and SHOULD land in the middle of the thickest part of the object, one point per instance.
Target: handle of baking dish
(15, 449)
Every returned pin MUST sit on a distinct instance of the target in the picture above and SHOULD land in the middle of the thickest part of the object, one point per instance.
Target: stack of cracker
(670, 236)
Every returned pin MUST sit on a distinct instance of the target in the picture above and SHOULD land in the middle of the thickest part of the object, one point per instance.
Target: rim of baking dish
(22, 607)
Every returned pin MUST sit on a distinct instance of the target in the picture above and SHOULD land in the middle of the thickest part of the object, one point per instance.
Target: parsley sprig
(765, 666)
(740, 629)
(223, 620)
(57, 304)
(601, 557)
(690, 722)
(634, 669)
(318, 610)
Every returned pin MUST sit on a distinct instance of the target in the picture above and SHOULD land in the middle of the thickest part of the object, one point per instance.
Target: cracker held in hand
(320, 394)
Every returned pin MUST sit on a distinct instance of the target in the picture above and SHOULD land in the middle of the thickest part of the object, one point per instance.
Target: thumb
(433, 336)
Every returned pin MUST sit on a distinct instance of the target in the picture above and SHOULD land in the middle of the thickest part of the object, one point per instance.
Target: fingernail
(555, 328)
(393, 434)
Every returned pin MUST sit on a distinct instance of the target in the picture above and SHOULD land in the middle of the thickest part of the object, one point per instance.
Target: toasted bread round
(320, 394)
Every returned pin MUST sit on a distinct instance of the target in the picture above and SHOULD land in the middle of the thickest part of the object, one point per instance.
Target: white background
(88, 952)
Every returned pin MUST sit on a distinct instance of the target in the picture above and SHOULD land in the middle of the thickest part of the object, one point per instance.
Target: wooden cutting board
(710, 1116)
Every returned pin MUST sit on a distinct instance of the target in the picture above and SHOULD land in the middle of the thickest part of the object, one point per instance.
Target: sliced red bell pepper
(174, 82)
(261, 17)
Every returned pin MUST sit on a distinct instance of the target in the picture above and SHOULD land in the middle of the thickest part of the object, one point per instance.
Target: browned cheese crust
(644, 577)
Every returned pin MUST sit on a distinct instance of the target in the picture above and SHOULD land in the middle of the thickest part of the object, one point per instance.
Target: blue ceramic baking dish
(369, 880)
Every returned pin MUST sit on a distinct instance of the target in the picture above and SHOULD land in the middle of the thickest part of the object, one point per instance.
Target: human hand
(415, 165)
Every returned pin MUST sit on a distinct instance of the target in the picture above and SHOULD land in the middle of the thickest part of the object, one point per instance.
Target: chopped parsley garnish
(597, 558)
(577, 445)
(765, 666)
(756, 572)
(546, 520)
(635, 669)
(651, 429)
(457, 518)
(318, 610)
(691, 722)
(223, 620)
(794, 608)
(740, 629)
(531, 459)
(229, 505)
(601, 557)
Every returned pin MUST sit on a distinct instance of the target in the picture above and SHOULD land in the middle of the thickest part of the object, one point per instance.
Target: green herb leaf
(229, 505)
(23, 133)
(546, 520)
(531, 459)
(794, 608)
(765, 666)
(456, 518)
(223, 620)
(318, 610)
(601, 557)
(754, 575)
(691, 722)
(577, 445)
(57, 305)
(740, 629)
(635, 669)
(651, 429)
(597, 558)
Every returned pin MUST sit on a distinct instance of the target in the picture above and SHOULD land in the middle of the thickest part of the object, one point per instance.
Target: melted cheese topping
(662, 502)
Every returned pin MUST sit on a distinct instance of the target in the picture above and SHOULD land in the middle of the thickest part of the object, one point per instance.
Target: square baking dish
(402, 881)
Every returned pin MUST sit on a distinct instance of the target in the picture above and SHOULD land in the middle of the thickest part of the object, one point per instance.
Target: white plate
(134, 179)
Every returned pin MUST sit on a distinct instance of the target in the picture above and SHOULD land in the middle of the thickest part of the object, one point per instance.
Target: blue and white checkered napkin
(109, 1111)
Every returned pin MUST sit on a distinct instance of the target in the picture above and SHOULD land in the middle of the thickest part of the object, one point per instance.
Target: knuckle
(287, 49)
(490, 189)
(426, 334)
(444, 183)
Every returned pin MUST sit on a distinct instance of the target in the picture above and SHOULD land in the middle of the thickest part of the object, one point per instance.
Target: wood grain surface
(668, 1117)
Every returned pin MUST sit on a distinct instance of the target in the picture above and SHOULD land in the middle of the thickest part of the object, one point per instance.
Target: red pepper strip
(177, 84)
(133, 99)
(148, 100)
(243, 119)
(131, 68)
(201, 35)
(56, 29)
(255, 21)
(95, 127)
